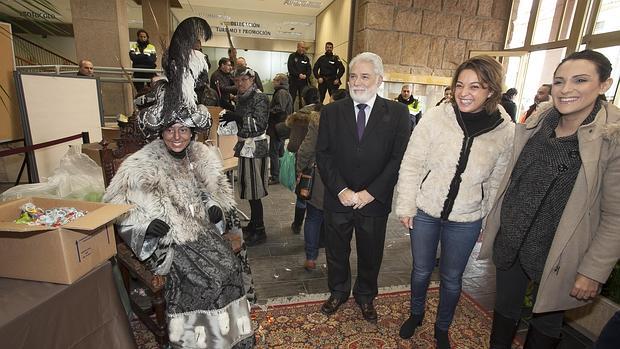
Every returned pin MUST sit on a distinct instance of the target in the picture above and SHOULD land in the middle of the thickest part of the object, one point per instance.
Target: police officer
(299, 71)
(328, 70)
(143, 55)
(413, 104)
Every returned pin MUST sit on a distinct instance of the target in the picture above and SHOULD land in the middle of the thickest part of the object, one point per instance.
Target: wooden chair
(154, 318)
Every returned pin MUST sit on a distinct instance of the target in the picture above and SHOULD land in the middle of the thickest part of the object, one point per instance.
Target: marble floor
(277, 265)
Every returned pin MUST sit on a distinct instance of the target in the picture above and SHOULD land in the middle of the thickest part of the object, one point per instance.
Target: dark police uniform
(298, 64)
(330, 68)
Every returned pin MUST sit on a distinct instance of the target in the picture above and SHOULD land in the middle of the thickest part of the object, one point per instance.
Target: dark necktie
(361, 120)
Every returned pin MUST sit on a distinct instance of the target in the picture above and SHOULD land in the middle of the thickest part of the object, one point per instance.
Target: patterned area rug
(300, 325)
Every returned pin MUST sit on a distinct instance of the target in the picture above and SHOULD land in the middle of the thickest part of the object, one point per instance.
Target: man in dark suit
(360, 145)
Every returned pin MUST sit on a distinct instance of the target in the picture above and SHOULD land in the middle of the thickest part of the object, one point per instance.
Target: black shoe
(409, 326)
(368, 311)
(538, 340)
(296, 229)
(502, 332)
(443, 340)
(331, 305)
(259, 237)
(273, 180)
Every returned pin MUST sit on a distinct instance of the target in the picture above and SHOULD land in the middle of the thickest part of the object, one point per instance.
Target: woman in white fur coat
(183, 204)
(447, 182)
(180, 194)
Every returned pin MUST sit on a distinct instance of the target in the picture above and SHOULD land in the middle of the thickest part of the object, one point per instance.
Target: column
(102, 36)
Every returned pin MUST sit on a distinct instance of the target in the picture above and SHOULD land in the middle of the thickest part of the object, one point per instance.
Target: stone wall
(429, 37)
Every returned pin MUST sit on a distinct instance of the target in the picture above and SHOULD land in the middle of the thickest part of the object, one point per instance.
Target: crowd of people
(541, 192)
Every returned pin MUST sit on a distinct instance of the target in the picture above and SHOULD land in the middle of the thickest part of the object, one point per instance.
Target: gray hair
(406, 85)
(280, 77)
(371, 58)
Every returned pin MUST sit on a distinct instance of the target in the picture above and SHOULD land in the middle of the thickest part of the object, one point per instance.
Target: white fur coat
(430, 163)
(169, 189)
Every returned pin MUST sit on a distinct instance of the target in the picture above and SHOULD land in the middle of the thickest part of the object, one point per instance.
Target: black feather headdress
(176, 99)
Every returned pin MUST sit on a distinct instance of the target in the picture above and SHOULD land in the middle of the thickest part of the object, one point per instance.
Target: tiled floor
(278, 270)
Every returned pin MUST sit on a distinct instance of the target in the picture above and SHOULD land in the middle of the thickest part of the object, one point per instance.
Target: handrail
(23, 60)
(49, 53)
(58, 67)
(105, 74)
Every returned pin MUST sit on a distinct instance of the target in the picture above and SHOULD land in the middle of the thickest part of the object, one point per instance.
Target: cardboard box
(60, 255)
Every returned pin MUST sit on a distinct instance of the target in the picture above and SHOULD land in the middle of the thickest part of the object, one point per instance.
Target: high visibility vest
(148, 50)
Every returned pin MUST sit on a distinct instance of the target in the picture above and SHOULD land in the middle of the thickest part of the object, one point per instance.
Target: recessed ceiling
(134, 13)
(273, 6)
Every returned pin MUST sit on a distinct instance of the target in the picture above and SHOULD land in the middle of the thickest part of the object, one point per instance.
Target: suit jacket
(372, 163)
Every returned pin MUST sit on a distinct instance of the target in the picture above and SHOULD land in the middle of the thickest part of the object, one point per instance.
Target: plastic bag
(288, 176)
(76, 177)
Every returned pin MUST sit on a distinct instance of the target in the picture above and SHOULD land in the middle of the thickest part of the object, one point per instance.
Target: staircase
(29, 53)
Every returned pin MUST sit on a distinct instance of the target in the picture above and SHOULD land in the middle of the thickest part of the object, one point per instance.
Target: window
(518, 23)
(540, 70)
(607, 17)
(554, 20)
(613, 54)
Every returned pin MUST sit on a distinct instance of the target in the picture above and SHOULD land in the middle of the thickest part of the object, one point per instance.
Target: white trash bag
(76, 177)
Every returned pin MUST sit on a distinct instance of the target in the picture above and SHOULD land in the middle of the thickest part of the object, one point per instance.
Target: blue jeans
(610, 336)
(312, 231)
(457, 241)
(300, 203)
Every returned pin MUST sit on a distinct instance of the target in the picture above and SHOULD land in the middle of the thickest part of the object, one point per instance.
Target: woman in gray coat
(556, 219)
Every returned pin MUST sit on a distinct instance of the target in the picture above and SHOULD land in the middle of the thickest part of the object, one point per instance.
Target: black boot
(299, 220)
(248, 230)
(408, 327)
(442, 338)
(503, 331)
(259, 237)
(538, 340)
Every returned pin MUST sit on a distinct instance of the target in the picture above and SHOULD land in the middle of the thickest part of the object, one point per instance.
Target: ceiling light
(307, 24)
(303, 3)
(289, 33)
